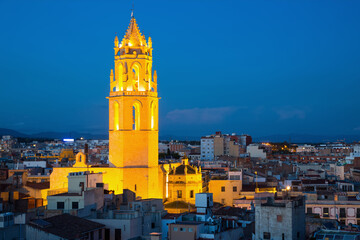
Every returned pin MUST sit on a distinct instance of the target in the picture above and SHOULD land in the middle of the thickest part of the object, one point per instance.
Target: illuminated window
(135, 71)
(116, 115)
(120, 77)
(325, 212)
(152, 117)
(136, 116)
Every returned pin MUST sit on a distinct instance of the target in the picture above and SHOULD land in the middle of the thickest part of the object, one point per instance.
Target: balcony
(134, 93)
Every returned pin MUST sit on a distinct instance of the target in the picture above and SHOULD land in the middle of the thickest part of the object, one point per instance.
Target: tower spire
(133, 36)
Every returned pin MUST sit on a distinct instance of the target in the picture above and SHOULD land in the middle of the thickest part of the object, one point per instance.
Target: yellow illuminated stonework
(133, 124)
(133, 114)
(184, 182)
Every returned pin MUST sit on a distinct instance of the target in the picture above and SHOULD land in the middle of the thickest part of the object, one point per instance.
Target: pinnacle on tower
(116, 42)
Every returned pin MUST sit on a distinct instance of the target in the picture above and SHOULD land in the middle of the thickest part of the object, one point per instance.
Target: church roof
(133, 36)
(181, 169)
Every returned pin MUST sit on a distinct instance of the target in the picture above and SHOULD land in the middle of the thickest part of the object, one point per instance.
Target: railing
(133, 93)
(57, 191)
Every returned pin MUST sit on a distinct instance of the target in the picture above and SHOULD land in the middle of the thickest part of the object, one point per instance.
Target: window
(267, 235)
(223, 189)
(107, 233)
(325, 212)
(117, 234)
(179, 194)
(152, 225)
(175, 229)
(342, 213)
(192, 194)
(283, 236)
(190, 229)
(235, 177)
(135, 71)
(100, 234)
(134, 118)
(222, 201)
(358, 213)
(309, 210)
(75, 205)
(279, 218)
(116, 116)
(152, 112)
(60, 205)
(298, 235)
(235, 189)
(182, 229)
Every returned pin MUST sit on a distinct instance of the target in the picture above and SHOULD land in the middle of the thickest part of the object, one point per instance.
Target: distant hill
(293, 138)
(308, 138)
(5, 131)
(52, 135)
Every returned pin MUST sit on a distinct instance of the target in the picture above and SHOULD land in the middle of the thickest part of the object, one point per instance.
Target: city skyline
(279, 70)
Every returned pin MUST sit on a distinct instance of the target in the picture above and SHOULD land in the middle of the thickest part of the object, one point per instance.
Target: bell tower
(133, 113)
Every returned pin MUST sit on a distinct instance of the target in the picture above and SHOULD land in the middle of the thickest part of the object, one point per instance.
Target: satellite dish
(358, 196)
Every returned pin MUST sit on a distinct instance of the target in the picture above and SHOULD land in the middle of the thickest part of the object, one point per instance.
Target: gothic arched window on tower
(135, 71)
(116, 116)
(136, 116)
(152, 117)
(119, 78)
(148, 73)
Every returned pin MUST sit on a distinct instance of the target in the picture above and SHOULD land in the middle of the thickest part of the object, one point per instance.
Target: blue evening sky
(257, 67)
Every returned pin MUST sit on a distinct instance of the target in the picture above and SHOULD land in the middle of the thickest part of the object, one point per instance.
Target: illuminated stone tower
(133, 114)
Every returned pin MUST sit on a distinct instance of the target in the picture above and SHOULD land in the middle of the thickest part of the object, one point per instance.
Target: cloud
(290, 112)
(200, 115)
(18, 124)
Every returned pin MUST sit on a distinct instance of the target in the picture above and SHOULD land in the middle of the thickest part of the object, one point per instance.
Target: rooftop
(65, 226)
(40, 185)
(67, 194)
(188, 223)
